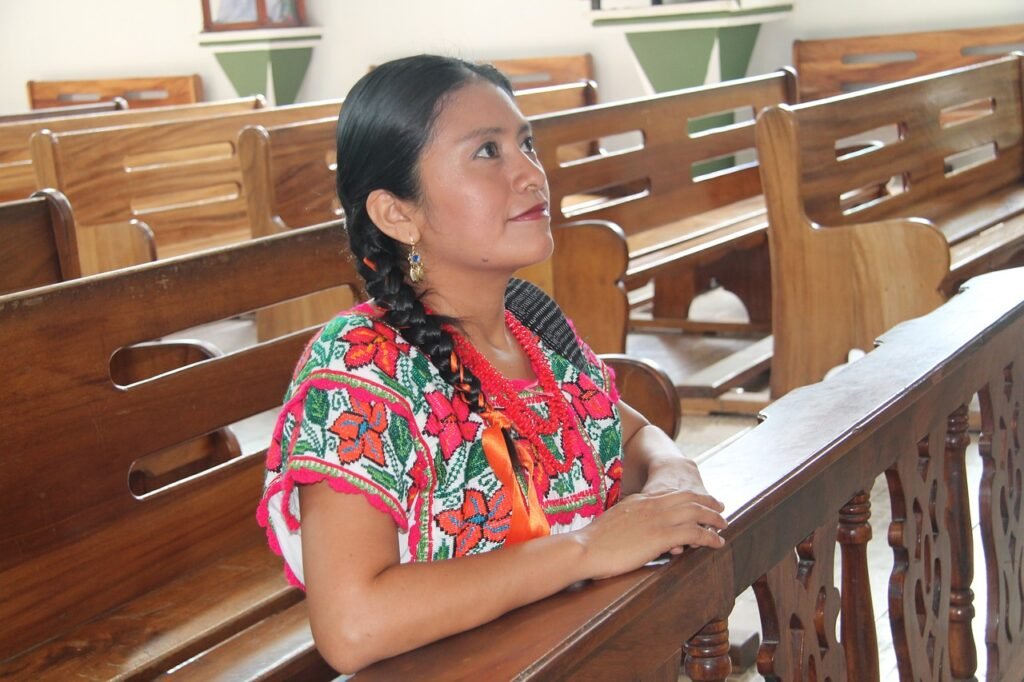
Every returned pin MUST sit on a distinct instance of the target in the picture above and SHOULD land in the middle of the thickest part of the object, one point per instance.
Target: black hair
(385, 123)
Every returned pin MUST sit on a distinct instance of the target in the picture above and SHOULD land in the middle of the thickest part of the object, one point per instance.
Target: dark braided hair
(385, 123)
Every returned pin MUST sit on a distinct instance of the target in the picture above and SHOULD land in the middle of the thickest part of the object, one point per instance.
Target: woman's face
(484, 195)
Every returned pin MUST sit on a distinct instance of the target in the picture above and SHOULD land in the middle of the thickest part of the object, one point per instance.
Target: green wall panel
(288, 69)
(247, 71)
(673, 59)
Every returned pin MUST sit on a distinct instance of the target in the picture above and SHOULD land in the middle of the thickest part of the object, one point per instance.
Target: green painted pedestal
(269, 62)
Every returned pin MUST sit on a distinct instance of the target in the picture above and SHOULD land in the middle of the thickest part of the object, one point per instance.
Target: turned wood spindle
(707, 653)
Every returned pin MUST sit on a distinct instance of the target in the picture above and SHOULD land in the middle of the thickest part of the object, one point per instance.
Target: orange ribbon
(528, 520)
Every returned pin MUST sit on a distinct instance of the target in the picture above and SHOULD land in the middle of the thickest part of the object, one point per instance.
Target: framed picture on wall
(234, 15)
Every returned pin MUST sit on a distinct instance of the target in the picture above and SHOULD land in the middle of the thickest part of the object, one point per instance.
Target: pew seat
(843, 273)
(116, 104)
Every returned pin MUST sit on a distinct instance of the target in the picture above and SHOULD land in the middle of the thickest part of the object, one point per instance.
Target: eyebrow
(495, 130)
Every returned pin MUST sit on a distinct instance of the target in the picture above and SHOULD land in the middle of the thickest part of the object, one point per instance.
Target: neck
(478, 305)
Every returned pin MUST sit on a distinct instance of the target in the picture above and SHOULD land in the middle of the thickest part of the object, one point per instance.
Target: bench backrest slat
(140, 92)
(661, 180)
(534, 72)
(71, 518)
(837, 65)
(936, 117)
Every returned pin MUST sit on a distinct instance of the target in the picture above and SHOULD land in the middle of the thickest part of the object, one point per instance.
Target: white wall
(53, 39)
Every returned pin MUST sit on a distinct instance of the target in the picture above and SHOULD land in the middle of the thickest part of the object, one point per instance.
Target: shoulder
(358, 344)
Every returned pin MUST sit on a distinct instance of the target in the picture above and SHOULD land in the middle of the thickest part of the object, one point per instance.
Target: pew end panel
(40, 245)
(535, 72)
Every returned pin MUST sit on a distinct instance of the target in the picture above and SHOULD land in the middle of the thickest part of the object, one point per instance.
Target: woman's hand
(644, 526)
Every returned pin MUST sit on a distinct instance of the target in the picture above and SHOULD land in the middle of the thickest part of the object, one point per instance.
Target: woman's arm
(364, 605)
(653, 463)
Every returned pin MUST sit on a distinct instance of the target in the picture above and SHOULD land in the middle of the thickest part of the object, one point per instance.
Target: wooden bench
(156, 91)
(794, 488)
(844, 273)
(534, 72)
(116, 104)
(17, 178)
(98, 579)
(181, 178)
(835, 66)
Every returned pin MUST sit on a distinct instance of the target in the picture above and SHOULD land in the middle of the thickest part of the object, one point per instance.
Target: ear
(393, 216)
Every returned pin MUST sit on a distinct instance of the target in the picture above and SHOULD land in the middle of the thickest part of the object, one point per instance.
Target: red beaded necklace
(495, 386)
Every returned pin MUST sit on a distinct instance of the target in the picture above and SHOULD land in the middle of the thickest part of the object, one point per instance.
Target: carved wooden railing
(795, 489)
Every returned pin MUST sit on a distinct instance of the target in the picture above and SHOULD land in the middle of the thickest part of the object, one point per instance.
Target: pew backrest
(533, 72)
(153, 91)
(17, 178)
(835, 66)
(116, 104)
(953, 137)
(664, 175)
(75, 437)
(183, 178)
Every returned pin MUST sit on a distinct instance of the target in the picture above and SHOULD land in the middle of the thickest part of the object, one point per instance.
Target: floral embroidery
(449, 421)
(377, 344)
(360, 431)
(615, 475)
(589, 402)
(478, 519)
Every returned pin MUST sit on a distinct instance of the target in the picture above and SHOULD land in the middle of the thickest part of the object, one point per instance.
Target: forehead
(478, 105)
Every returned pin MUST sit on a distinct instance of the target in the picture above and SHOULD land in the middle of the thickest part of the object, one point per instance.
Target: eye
(527, 145)
(489, 150)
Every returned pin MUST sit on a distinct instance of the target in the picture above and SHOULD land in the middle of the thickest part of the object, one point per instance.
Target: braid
(404, 311)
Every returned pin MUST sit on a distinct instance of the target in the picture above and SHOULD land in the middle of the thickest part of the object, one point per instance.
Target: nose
(529, 174)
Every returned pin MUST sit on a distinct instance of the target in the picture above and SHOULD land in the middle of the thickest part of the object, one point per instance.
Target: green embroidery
(317, 406)
(477, 462)
(441, 553)
(401, 439)
(382, 478)
(610, 445)
(572, 506)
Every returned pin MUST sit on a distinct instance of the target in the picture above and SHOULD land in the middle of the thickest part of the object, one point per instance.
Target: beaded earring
(415, 265)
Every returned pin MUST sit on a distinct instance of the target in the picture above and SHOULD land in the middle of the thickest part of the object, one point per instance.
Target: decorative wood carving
(962, 653)
(799, 606)
(920, 583)
(1001, 519)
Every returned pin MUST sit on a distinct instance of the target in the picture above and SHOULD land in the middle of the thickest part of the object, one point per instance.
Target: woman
(457, 429)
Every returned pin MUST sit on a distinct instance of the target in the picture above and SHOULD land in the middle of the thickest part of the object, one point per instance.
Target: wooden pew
(154, 91)
(151, 579)
(843, 273)
(116, 104)
(182, 178)
(835, 66)
(534, 72)
(288, 172)
(17, 178)
(793, 487)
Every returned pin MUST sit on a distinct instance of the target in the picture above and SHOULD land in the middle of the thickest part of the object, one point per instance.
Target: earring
(415, 265)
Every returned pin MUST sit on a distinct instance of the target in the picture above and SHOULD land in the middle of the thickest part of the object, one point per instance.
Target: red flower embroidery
(477, 519)
(360, 431)
(589, 402)
(615, 474)
(449, 422)
(377, 344)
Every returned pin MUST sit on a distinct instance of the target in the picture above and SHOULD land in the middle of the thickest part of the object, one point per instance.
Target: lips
(533, 213)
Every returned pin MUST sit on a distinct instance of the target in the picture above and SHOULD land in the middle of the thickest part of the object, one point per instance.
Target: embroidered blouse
(370, 414)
